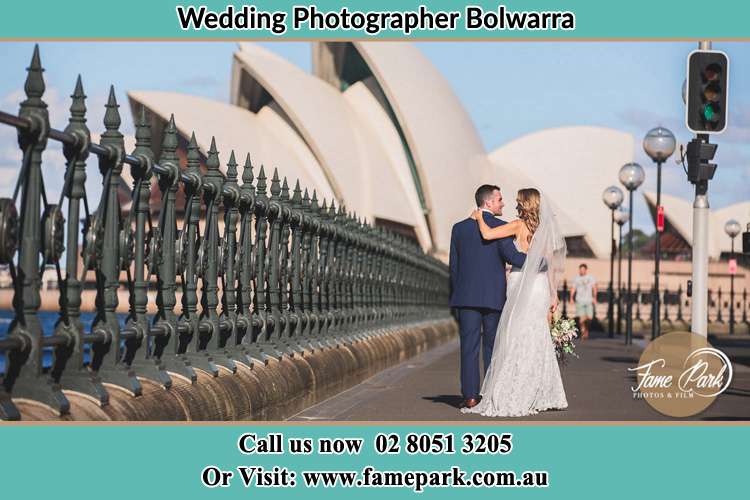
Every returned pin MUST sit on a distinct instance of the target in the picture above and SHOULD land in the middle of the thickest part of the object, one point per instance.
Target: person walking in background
(583, 294)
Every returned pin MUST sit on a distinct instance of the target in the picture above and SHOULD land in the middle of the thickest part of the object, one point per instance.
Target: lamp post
(621, 217)
(631, 176)
(659, 145)
(732, 228)
(612, 197)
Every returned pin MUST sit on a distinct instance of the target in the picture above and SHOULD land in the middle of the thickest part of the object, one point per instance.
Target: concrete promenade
(426, 388)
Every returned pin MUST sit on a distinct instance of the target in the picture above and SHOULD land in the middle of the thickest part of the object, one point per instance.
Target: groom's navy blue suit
(478, 285)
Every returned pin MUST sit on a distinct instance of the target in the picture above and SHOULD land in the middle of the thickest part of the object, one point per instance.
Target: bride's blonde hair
(528, 209)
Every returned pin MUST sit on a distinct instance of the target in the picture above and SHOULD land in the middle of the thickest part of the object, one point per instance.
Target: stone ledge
(274, 391)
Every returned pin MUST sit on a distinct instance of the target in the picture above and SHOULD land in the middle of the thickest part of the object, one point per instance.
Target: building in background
(376, 127)
(677, 239)
(571, 166)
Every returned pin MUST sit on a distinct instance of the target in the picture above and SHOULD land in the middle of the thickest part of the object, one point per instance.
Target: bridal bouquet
(563, 332)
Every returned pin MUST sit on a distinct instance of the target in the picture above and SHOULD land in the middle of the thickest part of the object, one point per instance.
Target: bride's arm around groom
(512, 228)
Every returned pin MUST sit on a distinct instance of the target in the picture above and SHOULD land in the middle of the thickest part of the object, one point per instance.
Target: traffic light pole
(700, 173)
(699, 306)
(612, 249)
(731, 294)
(619, 283)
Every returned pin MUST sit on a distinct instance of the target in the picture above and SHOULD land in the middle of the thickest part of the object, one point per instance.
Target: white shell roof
(316, 110)
(393, 178)
(739, 212)
(449, 156)
(572, 166)
(353, 160)
(510, 181)
(679, 213)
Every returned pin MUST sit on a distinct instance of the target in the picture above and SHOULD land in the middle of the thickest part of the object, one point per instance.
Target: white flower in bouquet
(563, 331)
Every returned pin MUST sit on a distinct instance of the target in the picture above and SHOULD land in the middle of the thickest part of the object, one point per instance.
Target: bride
(523, 377)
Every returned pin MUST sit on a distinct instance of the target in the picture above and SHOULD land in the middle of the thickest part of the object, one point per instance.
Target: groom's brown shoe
(470, 403)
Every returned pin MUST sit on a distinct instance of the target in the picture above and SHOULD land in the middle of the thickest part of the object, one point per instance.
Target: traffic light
(707, 86)
(699, 156)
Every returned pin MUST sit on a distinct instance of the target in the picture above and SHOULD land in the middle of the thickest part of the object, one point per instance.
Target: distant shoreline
(51, 301)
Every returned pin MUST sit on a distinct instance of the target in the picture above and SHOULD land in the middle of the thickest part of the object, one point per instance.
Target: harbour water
(48, 320)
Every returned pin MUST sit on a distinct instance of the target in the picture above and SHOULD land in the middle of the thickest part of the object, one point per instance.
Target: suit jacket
(477, 267)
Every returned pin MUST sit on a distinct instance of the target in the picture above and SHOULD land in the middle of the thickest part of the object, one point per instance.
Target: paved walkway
(426, 388)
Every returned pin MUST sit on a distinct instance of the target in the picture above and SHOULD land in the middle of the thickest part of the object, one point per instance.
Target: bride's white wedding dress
(524, 377)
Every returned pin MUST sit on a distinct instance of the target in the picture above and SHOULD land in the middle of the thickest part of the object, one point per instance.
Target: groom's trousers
(475, 324)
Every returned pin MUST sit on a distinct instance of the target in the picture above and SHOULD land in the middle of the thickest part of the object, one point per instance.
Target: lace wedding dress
(523, 377)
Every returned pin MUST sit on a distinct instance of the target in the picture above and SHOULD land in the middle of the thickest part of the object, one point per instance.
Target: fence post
(306, 293)
(368, 264)
(24, 366)
(214, 255)
(316, 243)
(109, 356)
(323, 269)
(247, 318)
(295, 224)
(639, 299)
(263, 264)
(188, 346)
(79, 378)
(228, 276)
(148, 357)
(273, 311)
(620, 293)
(334, 270)
(349, 261)
(285, 274)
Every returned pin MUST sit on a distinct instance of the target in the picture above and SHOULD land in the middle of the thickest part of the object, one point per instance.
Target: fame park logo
(679, 374)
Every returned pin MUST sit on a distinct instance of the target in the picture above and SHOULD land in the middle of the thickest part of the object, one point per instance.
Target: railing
(300, 275)
(675, 307)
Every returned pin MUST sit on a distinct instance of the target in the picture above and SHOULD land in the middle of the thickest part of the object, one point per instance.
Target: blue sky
(509, 89)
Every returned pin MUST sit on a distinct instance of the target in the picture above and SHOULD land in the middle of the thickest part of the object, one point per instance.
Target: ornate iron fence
(675, 312)
(286, 274)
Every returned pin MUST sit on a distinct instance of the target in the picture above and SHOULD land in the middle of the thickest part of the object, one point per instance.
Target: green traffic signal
(706, 102)
(710, 114)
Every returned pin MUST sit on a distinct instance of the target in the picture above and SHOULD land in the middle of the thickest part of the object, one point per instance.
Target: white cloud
(8, 176)
(53, 160)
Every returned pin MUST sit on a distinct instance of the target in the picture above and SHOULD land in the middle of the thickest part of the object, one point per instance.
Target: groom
(477, 269)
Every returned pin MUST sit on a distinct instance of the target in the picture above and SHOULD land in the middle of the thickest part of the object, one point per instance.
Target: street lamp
(659, 145)
(732, 228)
(621, 217)
(631, 176)
(612, 197)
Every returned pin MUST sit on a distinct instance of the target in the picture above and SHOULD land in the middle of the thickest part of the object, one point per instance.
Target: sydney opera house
(378, 128)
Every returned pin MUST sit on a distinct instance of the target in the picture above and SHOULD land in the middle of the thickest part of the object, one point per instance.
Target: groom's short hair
(483, 192)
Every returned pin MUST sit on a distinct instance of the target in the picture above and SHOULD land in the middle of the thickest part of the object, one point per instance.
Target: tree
(640, 239)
